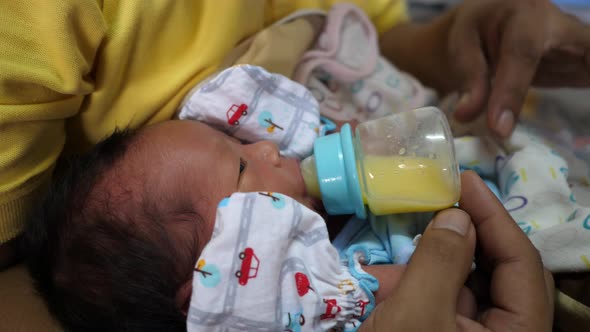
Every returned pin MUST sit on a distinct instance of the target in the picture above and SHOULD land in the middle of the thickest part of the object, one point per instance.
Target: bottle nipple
(310, 177)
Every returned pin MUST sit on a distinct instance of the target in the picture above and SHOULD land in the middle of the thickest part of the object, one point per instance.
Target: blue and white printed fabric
(270, 266)
(251, 104)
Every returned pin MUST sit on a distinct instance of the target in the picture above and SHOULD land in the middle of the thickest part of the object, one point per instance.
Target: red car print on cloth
(302, 282)
(235, 112)
(249, 268)
(332, 308)
(362, 304)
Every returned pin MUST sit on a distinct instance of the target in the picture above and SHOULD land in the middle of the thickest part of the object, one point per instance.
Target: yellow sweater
(71, 71)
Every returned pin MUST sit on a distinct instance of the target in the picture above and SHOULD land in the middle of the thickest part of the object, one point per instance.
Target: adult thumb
(435, 275)
(444, 252)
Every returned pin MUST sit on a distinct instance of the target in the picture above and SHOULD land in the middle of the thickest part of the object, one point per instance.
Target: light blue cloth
(382, 240)
(386, 239)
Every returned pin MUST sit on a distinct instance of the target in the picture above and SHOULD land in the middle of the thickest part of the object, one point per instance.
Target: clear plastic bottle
(404, 162)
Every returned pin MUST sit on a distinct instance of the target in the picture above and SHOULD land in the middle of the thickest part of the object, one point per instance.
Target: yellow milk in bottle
(398, 184)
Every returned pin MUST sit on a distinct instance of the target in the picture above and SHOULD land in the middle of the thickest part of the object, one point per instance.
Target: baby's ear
(183, 295)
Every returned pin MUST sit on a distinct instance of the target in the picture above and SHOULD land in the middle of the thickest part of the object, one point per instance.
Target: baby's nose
(268, 151)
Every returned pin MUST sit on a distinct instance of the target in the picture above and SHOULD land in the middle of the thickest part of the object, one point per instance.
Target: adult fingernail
(453, 220)
(505, 123)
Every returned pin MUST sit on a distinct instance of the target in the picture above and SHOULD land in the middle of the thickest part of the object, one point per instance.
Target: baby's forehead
(182, 134)
(173, 149)
(167, 156)
(126, 193)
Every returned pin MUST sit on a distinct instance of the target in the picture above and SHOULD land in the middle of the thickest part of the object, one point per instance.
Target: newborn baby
(122, 232)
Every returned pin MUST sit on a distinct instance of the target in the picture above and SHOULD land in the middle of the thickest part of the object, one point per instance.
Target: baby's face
(188, 165)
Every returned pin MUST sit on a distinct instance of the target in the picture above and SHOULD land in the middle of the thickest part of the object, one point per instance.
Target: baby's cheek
(288, 186)
(268, 178)
(249, 183)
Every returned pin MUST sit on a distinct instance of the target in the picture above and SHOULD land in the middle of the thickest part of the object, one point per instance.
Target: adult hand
(427, 294)
(498, 48)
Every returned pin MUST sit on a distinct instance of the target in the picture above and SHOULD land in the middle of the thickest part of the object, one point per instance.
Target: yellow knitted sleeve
(41, 84)
(124, 63)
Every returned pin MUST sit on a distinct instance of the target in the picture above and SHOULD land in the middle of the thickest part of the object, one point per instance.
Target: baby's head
(114, 244)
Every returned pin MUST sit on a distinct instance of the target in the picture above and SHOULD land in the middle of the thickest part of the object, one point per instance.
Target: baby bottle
(404, 162)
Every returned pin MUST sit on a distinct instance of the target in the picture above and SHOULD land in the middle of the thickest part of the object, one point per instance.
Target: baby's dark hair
(97, 267)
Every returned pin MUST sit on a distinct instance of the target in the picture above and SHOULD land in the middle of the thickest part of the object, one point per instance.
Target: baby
(117, 241)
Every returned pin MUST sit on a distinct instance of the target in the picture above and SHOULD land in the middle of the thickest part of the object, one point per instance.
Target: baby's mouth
(300, 181)
(313, 202)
